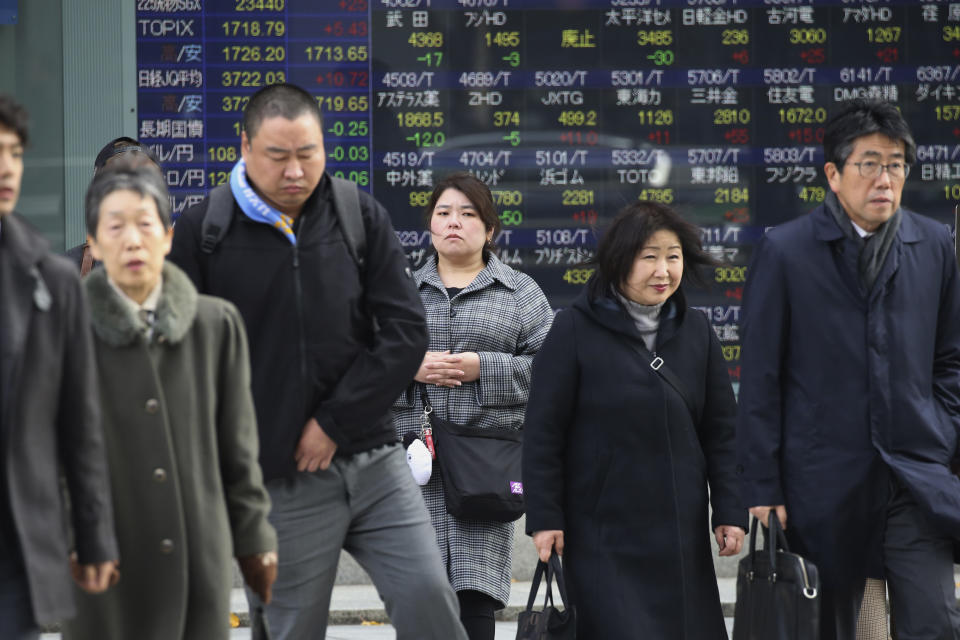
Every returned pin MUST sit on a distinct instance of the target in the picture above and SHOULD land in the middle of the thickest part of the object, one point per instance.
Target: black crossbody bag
(480, 468)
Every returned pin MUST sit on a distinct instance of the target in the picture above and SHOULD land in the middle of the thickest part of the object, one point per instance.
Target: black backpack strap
(216, 221)
(346, 204)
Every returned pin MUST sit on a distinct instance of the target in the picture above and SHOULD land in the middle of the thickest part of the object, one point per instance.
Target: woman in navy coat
(617, 462)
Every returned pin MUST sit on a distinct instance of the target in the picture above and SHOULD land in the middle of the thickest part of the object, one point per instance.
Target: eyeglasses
(872, 169)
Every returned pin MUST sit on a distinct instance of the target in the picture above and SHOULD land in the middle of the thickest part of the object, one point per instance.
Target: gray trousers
(369, 505)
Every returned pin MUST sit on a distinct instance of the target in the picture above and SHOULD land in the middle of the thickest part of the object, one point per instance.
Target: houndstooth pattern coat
(504, 317)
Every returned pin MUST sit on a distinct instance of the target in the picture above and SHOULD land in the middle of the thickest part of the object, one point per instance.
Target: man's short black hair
(859, 118)
(284, 99)
(119, 146)
(14, 116)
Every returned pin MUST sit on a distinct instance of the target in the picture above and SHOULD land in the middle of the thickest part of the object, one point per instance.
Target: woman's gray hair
(123, 175)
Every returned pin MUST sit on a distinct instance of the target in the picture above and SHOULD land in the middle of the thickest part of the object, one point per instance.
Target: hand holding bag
(480, 468)
(550, 623)
(778, 592)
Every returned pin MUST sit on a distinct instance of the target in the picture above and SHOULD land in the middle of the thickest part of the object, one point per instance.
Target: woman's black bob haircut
(629, 232)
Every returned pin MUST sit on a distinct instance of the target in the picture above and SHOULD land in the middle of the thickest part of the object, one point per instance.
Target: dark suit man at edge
(332, 345)
(850, 388)
(49, 419)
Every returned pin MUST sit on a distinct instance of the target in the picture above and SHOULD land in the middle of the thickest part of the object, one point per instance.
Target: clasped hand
(446, 369)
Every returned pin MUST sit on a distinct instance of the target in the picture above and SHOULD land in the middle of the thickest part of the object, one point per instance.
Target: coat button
(166, 545)
(159, 474)
(152, 406)
(453, 313)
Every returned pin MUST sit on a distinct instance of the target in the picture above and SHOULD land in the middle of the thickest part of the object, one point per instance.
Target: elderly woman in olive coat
(179, 427)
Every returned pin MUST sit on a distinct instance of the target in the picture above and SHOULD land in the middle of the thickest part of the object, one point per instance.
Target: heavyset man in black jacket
(332, 344)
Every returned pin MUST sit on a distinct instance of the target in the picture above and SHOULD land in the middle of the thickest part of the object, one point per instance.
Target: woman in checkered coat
(486, 323)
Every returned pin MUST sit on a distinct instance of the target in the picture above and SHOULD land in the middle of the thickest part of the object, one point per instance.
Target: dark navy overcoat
(839, 388)
(613, 456)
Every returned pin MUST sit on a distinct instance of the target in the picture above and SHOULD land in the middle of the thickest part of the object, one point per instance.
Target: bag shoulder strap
(657, 364)
(216, 221)
(346, 204)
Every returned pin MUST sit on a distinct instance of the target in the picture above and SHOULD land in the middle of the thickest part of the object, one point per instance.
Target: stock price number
(426, 39)
(427, 139)
(222, 154)
(362, 178)
(229, 104)
(578, 118)
(731, 195)
(511, 217)
(251, 78)
(802, 115)
(577, 276)
(506, 118)
(735, 37)
(350, 153)
(812, 194)
(656, 117)
(419, 199)
(353, 53)
(339, 103)
(420, 119)
(725, 117)
(349, 128)
(884, 35)
(217, 178)
(507, 197)
(254, 53)
(808, 36)
(258, 5)
(503, 39)
(576, 197)
(254, 28)
(730, 274)
(731, 352)
(655, 38)
(948, 112)
(664, 195)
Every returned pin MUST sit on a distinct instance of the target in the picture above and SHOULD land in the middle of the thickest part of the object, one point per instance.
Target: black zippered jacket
(309, 314)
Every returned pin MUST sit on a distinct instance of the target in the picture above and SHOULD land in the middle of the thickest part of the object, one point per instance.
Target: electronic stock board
(567, 109)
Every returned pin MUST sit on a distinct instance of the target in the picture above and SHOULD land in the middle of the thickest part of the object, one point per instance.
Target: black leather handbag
(550, 623)
(480, 468)
(778, 592)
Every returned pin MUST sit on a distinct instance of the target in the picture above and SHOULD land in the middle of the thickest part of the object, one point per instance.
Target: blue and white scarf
(254, 206)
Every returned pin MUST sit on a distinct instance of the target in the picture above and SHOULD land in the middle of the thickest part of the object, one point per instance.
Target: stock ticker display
(567, 109)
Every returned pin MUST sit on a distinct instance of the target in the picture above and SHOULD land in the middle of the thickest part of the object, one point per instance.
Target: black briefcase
(778, 592)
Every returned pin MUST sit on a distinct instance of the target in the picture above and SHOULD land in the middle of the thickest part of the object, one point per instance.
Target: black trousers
(16, 612)
(918, 562)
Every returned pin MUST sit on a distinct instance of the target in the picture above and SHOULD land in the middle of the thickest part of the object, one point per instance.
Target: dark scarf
(874, 249)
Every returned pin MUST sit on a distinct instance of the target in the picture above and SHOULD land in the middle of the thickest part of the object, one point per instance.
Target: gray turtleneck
(646, 317)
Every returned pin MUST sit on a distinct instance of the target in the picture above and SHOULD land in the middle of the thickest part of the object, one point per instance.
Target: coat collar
(609, 312)
(114, 322)
(493, 271)
(826, 229)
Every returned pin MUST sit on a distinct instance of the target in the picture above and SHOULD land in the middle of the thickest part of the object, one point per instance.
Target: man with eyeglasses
(850, 384)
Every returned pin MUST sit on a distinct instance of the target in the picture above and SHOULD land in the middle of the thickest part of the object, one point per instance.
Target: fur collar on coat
(115, 323)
